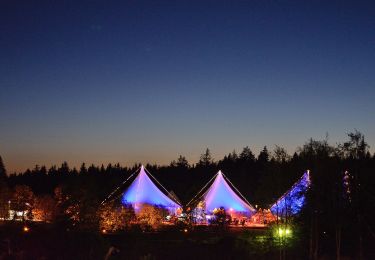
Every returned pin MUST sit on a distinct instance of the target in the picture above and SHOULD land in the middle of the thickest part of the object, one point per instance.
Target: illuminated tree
(66, 210)
(77, 207)
(23, 200)
(151, 217)
(222, 219)
(113, 216)
(44, 208)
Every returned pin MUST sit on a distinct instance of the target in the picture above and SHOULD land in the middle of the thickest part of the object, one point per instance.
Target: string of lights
(114, 191)
(193, 199)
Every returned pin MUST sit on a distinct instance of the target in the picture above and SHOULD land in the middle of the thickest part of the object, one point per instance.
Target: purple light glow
(220, 194)
(293, 200)
(143, 190)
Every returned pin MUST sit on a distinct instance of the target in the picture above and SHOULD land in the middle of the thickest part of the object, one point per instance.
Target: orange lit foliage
(44, 208)
(67, 209)
(23, 200)
(76, 207)
(115, 217)
(151, 217)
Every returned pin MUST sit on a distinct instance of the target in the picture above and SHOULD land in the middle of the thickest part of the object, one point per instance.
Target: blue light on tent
(143, 190)
(294, 199)
(221, 195)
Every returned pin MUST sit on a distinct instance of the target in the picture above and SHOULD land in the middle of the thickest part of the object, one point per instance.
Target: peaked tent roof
(292, 201)
(220, 194)
(143, 190)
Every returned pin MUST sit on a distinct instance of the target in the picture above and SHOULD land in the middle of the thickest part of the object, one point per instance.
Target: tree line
(337, 217)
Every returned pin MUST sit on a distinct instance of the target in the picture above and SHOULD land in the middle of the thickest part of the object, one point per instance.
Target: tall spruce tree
(264, 155)
(206, 159)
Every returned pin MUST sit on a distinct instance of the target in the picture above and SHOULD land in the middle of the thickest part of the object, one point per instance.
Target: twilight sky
(145, 81)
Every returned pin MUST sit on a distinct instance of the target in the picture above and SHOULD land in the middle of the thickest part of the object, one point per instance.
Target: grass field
(48, 242)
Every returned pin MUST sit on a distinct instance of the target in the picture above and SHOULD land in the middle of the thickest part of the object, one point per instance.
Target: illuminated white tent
(144, 191)
(221, 194)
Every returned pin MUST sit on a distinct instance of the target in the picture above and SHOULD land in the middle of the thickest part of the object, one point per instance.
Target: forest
(337, 216)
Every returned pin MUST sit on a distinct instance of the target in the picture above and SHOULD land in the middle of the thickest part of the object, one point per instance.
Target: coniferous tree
(233, 156)
(102, 169)
(3, 172)
(247, 155)
(52, 170)
(327, 217)
(64, 169)
(182, 162)
(43, 170)
(83, 169)
(264, 156)
(206, 159)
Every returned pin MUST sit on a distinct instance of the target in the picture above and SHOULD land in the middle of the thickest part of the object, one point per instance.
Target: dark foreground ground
(47, 242)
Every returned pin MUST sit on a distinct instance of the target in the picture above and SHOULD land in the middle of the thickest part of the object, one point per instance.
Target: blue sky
(145, 81)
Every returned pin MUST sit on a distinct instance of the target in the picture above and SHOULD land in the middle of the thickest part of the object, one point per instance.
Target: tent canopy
(292, 201)
(143, 190)
(220, 194)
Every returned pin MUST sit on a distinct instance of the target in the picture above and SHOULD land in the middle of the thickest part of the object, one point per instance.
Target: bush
(114, 216)
(151, 217)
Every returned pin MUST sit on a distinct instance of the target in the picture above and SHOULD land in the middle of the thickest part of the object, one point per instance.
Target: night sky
(145, 81)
